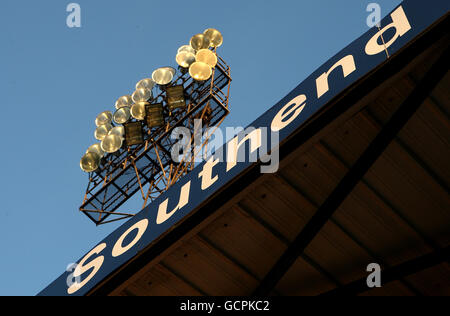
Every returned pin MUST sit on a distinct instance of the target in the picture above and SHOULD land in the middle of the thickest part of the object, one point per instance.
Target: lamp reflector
(164, 75)
(138, 110)
(200, 71)
(206, 56)
(133, 133)
(215, 37)
(141, 95)
(199, 41)
(146, 83)
(97, 149)
(124, 101)
(155, 116)
(102, 131)
(122, 115)
(90, 162)
(104, 118)
(118, 131)
(185, 59)
(175, 97)
(187, 49)
(111, 143)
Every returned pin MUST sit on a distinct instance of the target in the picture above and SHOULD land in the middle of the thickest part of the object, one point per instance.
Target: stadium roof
(363, 178)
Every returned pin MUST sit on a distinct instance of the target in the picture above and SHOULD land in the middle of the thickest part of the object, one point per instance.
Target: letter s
(82, 267)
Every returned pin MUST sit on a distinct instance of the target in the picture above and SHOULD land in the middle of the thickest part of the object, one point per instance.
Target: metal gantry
(148, 168)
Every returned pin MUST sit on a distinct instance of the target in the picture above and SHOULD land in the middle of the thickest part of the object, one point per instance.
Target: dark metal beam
(395, 273)
(377, 258)
(286, 242)
(339, 106)
(392, 208)
(356, 173)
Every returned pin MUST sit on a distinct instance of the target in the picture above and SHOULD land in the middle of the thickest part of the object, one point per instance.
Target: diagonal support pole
(395, 273)
(356, 173)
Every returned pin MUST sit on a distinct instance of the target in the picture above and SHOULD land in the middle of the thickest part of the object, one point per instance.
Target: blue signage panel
(401, 26)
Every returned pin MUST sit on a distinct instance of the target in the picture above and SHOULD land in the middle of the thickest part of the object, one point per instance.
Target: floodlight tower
(134, 153)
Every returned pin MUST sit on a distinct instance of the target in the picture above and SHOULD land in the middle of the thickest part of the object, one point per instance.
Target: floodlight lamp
(102, 131)
(200, 41)
(125, 101)
(141, 95)
(122, 115)
(215, 37)
(138, 110)
(206, 56)
(146, 83)
(111, 143)
(103, 118)
(118, 131)
(97, 149)
(185, 59)
(200, 71)
(187, 49)
(164, 75)
(171, 70)
(90, 162)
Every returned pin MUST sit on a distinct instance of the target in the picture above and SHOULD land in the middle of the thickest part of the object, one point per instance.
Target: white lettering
(279, 121)
(119, 249)
(348, 66)
(184, 200)
(233, 146)
(399, 22)
(82, 267)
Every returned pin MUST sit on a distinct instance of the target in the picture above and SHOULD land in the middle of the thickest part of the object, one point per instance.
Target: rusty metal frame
(150, 164)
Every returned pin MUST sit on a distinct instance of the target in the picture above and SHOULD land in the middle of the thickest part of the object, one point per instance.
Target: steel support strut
(356, 173)
(395, 273)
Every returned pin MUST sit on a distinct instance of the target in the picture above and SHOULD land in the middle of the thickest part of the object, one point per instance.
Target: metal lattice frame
(122, 175)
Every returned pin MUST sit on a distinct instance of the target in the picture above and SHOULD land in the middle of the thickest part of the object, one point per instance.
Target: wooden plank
(434, 281)
(161, 282)
(203, 266)
(224, 208)
(303, 280)
(276, 210)
(242, 238)
(427, 134)
(373, 223)
(287, 212)
(400, 180)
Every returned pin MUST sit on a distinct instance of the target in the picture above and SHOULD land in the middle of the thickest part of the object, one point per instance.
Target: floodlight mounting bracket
(148, 168)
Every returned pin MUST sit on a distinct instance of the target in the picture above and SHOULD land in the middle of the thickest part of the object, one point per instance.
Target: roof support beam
(395, 273)
(356, 173)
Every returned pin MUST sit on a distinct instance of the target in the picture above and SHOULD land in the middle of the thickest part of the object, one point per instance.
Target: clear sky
(54, 80)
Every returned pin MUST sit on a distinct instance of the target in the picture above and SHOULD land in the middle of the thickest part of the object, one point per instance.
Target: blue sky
(54, 80)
